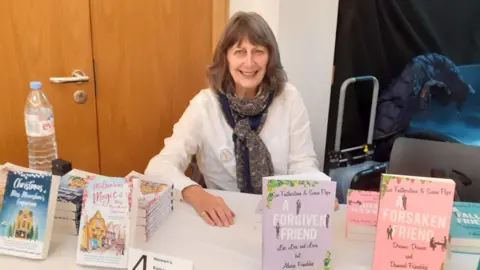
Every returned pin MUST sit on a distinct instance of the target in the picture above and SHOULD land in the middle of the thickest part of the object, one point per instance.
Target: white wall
(305, 31)
(268, 9)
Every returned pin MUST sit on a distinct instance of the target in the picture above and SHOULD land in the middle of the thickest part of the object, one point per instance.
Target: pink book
(362, 213)
(413, 222)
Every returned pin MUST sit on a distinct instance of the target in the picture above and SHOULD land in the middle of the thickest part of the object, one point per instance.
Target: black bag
(427, 158)
(369, 179)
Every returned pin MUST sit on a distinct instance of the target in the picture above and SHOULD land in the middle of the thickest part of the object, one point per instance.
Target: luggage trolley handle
(341, 108)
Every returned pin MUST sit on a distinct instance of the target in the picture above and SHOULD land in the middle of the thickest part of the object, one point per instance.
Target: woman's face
(247, 64)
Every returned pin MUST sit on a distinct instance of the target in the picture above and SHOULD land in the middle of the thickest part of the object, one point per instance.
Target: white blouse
(203, 131)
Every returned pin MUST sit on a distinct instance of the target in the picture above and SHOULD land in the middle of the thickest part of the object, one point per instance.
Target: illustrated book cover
(465, 228)
(71, 189)
(150, 187)
(4, 169)
(297, 222)
(362, 213)
(107, 222)
(69, 201)
(26, 217)
(413, 222)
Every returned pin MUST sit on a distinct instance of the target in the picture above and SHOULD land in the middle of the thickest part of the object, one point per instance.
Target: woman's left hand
(336, 204)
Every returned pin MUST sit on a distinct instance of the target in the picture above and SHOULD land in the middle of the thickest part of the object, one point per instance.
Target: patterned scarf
(247, 117)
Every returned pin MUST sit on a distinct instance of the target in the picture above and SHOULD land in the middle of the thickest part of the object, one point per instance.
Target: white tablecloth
(238, 247)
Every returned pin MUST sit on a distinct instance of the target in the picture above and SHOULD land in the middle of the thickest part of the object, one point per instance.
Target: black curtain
(379, 38)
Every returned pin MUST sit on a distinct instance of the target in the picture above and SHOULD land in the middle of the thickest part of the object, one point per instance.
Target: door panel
(150, 60)
(39, 40)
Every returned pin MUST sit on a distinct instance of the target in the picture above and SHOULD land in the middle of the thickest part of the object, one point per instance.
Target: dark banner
(379, 38)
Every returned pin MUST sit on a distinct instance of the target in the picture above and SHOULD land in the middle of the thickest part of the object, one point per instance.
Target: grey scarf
(247, 118)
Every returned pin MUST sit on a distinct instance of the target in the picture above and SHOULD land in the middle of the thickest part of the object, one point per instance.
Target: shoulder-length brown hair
(252, 27)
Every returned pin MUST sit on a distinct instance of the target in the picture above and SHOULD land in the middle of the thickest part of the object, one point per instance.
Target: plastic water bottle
(39, 125)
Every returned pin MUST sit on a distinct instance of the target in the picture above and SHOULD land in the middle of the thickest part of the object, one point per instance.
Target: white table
(238, 247)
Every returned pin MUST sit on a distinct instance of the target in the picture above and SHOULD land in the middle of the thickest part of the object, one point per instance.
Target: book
(296, 224)
(151, 187)
(107, 222)
(26, 216)
(362, 213)
(4, 169)
(155, 203)
(465, 228)
(69, 201)
(150, 216)
(412, 231)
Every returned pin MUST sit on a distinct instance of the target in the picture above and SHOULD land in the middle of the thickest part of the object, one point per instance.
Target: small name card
(362, 210)
(143, 260)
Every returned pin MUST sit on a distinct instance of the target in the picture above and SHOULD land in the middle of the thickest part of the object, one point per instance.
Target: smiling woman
(249, 48)
(247, 65)
(250, 123)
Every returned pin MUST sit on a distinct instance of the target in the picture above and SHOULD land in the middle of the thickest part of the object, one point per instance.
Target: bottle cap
(35, 85)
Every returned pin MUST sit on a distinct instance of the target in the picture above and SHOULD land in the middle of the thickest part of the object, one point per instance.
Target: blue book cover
(465, 227)
(465, 220)
(24, 226)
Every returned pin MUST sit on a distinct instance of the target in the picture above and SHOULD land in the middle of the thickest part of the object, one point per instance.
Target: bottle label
(39, 125)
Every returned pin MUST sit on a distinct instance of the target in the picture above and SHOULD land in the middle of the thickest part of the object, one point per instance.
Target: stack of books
(362, 214)
(69, 201)
(155, 203)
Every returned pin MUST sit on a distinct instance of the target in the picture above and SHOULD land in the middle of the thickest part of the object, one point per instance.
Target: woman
(250, 123)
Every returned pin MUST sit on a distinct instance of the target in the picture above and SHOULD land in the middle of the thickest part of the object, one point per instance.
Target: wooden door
(150, 60)
(39, 40)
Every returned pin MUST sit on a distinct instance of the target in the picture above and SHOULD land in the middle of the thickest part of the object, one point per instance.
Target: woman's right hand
(212, 209)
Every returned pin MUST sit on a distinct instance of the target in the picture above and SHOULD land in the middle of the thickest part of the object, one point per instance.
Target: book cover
(297, 218)
(70, 196)
(150, 188)
(106, 222)
(412, 231)
(26, 216)
(362, 213)
(465, 227)
(72, 185)
(4, 169)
